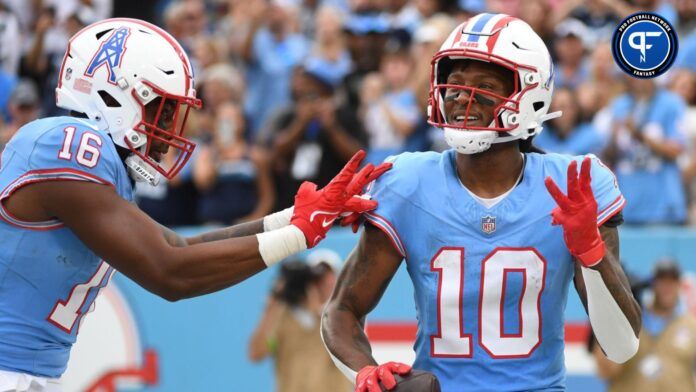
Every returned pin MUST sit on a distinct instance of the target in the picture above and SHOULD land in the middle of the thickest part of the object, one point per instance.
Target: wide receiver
(66, 203)
(490, 251)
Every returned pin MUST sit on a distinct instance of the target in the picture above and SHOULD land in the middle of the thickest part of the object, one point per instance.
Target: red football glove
(369, 377)
(577, 213)
(316, 210)
(368, 174)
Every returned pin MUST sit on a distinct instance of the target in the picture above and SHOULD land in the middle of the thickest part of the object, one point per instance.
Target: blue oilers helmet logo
(644, 45)
(488, 224)
(110, 53)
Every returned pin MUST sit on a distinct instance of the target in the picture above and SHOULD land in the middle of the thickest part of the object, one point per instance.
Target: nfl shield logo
(488, 224)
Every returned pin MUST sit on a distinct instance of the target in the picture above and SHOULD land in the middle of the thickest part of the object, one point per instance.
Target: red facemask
(167, 128)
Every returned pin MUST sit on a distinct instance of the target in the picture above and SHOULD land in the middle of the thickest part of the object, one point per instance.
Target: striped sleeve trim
(34, 176)
(388, 229)
(613, 208)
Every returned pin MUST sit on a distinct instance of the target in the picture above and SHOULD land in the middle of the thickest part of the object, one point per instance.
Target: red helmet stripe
(496, 32)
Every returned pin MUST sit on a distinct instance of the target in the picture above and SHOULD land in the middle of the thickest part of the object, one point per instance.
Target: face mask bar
(167, 128)
(446, 92)
(438, 98)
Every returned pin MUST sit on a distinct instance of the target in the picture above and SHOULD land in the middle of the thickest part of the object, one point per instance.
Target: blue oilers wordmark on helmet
(644, 45)
(110, 53)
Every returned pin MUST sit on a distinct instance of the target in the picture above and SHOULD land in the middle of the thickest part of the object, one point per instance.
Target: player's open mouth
(461, 120)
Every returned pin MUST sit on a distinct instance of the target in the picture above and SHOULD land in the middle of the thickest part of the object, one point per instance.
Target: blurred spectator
(234, 27)
(329, 50)
(233, 178)
(388, 106)
(686, 10)
(186, 20)
(686, 58)
(312, 138)
(624, 8)
(426, 42)
(644, 143)
(569, 134)
(571, 67)
(88, 11)
(10, 41)
(367, 35)
(44, 57)
(23, 107)
(289, 329)
(536, 13)
(683, 83)
(207, 51)
(218, 84)
(272, 49)
(605, 77)
(465, 9)
(667, 353)
(409, 15)
(600, 19)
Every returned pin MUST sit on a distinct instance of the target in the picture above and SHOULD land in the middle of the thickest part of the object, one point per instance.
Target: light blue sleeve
(606, 191)
(73, 151)
(671, 116)
(389, 215)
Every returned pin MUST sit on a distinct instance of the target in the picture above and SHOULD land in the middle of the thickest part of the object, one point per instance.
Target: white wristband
(275, 245)
(277, 220)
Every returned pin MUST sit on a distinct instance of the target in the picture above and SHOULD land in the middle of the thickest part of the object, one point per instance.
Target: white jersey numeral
(451, 341)
(64, 152)
(87, 153)
(66, 313)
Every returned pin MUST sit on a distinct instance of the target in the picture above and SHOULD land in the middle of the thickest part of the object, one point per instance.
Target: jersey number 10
(452, 341)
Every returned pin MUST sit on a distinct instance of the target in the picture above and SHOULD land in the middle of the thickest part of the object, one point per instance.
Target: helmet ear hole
(108, 99)
(538, 105)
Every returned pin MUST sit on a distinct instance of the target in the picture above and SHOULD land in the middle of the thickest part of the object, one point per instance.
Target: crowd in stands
(292, 88)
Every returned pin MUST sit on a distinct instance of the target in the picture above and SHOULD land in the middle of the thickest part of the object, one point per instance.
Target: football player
(66, 214)
(491, 242)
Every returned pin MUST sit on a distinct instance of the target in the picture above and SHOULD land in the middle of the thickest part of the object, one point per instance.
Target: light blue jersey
(48, 277)
(490, 284)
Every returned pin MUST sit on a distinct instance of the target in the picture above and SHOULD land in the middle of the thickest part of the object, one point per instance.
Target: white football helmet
(112, 70)
(510, 43)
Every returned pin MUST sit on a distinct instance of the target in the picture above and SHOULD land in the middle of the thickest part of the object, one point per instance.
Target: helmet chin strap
(141, 171)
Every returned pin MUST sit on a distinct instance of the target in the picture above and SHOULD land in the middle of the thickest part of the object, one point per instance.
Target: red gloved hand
(369, 377)
(577, 213)
(368, 174)
(316, 210)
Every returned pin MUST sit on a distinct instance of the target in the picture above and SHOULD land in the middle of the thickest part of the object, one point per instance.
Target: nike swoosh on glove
(369, 377)
(577, 213)
(316, 210)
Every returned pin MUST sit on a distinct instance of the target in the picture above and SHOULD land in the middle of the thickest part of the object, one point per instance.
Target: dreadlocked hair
(527, 145)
